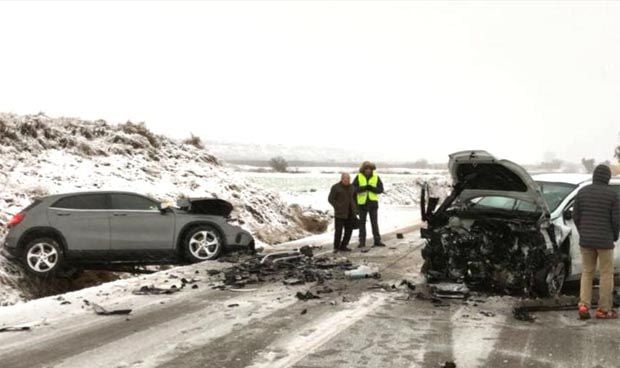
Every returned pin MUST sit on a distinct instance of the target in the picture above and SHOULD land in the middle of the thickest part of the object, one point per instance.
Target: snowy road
(355, 326)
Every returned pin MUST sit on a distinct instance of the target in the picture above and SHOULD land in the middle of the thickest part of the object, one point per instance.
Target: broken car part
(152, 290)
(363, 272)
(15, 329)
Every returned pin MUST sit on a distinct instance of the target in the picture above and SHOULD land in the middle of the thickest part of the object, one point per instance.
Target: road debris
(152, 290)
(306, 296)
(291, 268)
(449, 291)
(523, 314)
(449, 365)
(362, 272)
(15, 329)
(293, 281)
(101, 311)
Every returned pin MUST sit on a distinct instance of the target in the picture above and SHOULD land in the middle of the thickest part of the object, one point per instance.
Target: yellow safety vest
(362, 197)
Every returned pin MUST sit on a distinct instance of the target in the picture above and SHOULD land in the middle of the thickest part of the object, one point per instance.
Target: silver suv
(100, 228)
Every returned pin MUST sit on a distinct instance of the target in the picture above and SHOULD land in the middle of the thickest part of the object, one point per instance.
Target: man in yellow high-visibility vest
(368, 186)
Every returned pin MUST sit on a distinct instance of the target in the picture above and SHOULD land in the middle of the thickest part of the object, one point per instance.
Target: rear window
(132, 202)
(32, 205)
(83, 202)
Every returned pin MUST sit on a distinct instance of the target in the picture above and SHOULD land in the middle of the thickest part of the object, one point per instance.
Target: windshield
(554, 193)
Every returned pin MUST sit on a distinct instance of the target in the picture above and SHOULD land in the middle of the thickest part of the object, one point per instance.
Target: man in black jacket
(368, 186)
(597, 217)
(342, 198)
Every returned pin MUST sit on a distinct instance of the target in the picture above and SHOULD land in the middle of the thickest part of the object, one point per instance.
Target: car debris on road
(152, 290)
(15, 329)
(101, 311)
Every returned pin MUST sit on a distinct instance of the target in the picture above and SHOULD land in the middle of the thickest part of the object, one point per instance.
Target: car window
(133, 202)
(503, 203)
(83, 202)
(554, 193)
(496, 202)
(32, 205)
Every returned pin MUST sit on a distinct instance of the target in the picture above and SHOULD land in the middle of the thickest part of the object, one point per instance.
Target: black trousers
(341, 241)
(374, 222)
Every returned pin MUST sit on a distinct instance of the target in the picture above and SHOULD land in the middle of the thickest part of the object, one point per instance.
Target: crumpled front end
(496, 254)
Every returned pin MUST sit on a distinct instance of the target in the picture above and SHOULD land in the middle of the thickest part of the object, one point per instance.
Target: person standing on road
(597, 217)
(342, 198)
(368, 186)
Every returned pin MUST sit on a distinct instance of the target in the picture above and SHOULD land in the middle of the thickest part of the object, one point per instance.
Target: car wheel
(550, 281)
(203, 243)
(43, 256)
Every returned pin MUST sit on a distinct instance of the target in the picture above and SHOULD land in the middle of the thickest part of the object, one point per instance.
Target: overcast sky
(409, 79)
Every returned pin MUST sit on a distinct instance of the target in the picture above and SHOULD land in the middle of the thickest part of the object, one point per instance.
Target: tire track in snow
(294, 347)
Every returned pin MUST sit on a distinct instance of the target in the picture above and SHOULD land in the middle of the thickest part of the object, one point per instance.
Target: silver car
(102, 228)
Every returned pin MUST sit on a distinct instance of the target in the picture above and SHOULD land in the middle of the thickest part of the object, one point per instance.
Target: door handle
(63, 214)
(120, 214)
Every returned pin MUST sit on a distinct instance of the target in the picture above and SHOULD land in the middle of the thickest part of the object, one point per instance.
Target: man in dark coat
(597, 217)
(342, 198)
(368, 186)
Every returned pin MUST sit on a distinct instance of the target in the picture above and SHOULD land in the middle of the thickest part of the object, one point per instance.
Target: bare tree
(278, 164)
(588, 164)
(195, 141)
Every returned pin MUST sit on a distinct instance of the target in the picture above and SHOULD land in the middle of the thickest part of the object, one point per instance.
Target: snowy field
(311, 186)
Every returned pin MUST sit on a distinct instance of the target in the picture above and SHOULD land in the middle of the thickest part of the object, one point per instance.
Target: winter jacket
(342, 198)
(597, 212)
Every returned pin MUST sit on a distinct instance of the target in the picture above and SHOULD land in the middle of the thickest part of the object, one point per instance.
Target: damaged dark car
(500, 229)
(91, 229)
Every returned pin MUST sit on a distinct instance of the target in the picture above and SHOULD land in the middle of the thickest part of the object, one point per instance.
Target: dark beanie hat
(602, 174)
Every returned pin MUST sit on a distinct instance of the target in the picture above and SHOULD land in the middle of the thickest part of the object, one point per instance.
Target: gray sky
(409, 79)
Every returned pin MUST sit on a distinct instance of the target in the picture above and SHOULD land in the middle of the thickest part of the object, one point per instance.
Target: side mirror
(568, 214)
(163, 208)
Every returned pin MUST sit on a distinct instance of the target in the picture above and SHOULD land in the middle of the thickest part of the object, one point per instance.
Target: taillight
(16, 219)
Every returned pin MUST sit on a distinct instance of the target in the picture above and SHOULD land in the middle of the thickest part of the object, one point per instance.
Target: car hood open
(479, 174)
(206, 206)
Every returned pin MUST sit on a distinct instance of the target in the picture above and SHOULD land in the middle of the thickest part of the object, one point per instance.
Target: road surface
(357, 325)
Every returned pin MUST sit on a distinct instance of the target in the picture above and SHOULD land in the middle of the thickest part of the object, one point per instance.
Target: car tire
(202, 243)
(42, 256)
(550, 281)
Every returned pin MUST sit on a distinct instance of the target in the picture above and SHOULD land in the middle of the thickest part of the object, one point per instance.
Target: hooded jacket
(597, 211)
(378, 190)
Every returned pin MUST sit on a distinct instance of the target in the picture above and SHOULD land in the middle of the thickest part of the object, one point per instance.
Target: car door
(569, 225)
(138, 229)
(84, 221)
